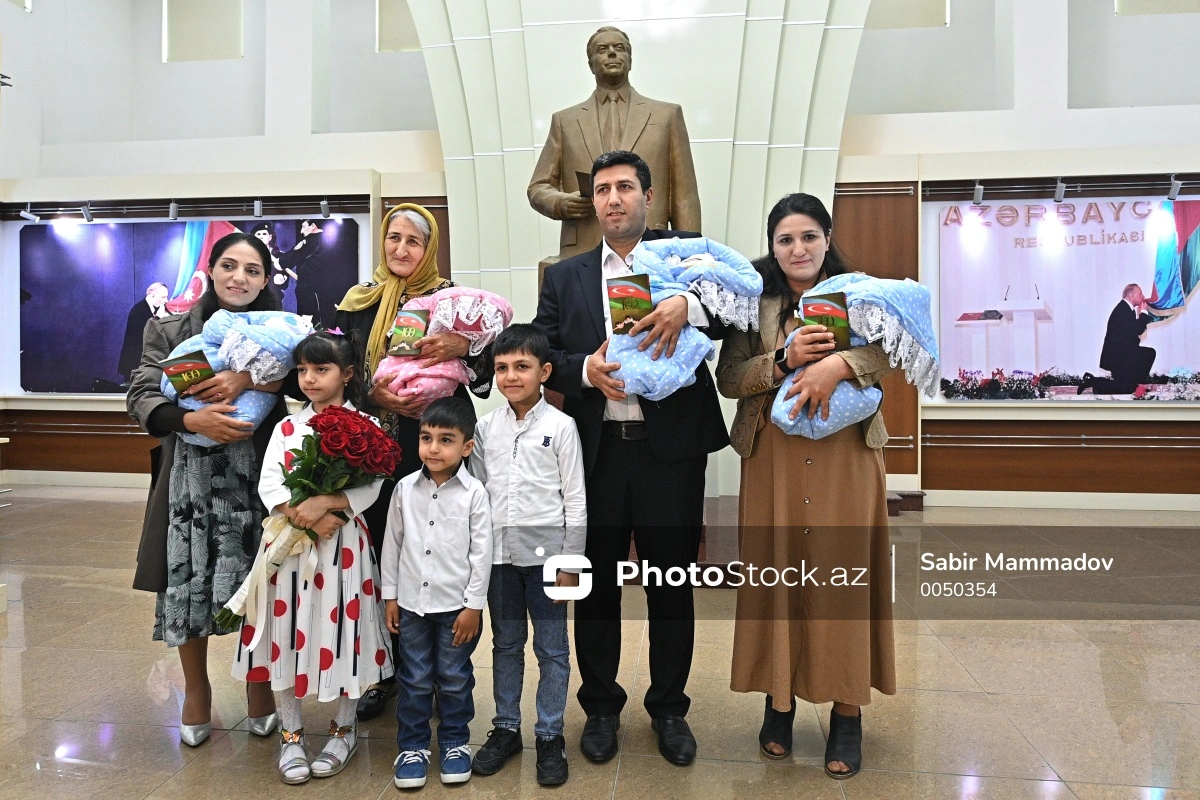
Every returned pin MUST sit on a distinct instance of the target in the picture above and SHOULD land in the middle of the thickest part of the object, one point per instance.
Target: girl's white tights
(289, 717)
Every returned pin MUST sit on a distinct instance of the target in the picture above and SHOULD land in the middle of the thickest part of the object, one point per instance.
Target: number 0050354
(949, 589)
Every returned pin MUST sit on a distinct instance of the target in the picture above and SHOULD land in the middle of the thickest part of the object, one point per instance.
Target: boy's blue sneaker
(411, 766)
(456, 764)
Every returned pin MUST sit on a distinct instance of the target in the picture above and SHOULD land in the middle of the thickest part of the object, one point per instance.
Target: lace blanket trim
(485, 320)
(731, 308)
(243, 354)
(876, 325)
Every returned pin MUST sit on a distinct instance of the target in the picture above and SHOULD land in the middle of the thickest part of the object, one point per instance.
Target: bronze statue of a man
(614, 117)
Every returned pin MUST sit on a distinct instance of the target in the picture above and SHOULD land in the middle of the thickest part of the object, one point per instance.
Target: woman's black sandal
(844, 744)
(777, 729)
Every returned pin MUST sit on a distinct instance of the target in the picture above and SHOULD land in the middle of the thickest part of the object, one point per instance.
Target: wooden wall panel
(74, 441)
(1054, 456)
(875, 227)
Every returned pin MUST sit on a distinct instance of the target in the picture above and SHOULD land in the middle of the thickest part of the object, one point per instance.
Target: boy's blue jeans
(515, 595)
(429, 658)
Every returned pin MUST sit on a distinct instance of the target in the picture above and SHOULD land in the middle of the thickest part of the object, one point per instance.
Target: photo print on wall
(88, 290)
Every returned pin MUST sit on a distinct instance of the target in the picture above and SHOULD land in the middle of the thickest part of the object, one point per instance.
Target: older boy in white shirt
(436, 566)
(528, 455)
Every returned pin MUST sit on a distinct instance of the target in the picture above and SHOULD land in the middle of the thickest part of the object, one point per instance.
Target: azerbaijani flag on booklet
(628, 301)
(407, 330)
(828, 310)
(187, 370)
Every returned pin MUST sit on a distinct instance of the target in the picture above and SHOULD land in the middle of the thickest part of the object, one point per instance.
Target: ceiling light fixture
(1176, 185)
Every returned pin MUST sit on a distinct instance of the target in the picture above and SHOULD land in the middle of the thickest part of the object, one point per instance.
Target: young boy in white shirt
(436, 565)
(528, 455)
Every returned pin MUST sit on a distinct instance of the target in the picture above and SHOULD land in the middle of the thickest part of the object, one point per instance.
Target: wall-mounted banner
(87, 290)
(1078, 301)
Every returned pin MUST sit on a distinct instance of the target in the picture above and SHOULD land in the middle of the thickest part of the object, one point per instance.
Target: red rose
(334, 443)
(322, 423)
(356, 450)
(387, 452)
(374, 462)
(331, 418)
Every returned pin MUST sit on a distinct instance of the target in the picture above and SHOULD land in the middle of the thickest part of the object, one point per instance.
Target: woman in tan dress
(821, 503)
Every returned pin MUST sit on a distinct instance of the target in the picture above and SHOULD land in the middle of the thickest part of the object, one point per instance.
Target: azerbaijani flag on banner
(1177, 264)
(198, 240)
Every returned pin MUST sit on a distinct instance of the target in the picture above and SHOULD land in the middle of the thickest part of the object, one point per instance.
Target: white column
(297, 67)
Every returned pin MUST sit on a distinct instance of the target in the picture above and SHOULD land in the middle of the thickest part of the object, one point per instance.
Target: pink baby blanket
(474, 313)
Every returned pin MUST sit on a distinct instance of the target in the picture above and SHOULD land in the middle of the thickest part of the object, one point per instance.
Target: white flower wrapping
(280, 540)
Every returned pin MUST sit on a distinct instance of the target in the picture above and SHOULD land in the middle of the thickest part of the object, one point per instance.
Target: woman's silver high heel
(263, 726)
(194, 735)
(260, 726)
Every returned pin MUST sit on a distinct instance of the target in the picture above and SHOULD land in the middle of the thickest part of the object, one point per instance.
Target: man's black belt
(629, 431)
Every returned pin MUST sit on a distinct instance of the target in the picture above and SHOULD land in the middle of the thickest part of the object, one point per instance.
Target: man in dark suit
(314, 276)
(141, 313)
(1122, 355)
(644, 463)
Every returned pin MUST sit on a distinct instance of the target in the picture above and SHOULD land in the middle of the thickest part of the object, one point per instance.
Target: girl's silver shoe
(326, 765)
(263, 726)
(300, 762)
(194, 735)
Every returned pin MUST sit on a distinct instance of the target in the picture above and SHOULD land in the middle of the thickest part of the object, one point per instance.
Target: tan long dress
(811, 504)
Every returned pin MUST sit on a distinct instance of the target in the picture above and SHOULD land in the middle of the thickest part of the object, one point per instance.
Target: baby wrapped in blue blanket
(894, 313)
(728, 286)
(258, 342)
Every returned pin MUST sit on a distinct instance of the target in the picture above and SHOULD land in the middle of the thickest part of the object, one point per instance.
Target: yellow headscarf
(390, 290)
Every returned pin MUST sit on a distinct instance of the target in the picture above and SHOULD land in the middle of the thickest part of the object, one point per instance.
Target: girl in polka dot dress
(324, 637)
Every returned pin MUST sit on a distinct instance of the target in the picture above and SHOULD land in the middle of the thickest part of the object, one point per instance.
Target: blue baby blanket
(258, 342)
(726, 283)
(894, 313)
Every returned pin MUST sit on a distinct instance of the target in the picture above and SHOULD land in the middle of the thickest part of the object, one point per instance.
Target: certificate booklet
(408, 328)
(828, 310)
(187, 370)
(585, 183)
(628, 301)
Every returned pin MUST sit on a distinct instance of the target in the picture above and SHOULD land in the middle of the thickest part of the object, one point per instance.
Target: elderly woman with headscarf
(407, 268)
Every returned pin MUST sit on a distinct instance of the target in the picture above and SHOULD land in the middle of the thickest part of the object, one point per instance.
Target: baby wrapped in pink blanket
(474, 313)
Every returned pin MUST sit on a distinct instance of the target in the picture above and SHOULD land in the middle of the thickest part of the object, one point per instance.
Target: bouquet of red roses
(345, 450)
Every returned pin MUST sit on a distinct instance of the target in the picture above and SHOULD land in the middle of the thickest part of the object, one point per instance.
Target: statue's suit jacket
(654, 130)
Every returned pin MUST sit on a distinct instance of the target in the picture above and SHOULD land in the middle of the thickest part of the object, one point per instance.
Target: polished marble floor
(1025, 706)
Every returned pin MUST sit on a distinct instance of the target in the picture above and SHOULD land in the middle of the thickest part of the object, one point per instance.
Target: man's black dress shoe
(599, 740)
(373, 700)
(675, 740)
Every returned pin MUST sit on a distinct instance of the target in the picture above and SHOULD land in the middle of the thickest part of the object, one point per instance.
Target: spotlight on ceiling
(29, 215)
(86, 210)
(977, 197)
(173, 210)
(258, 208)
(325, 208)
(1176, 185)
(1060, 191)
